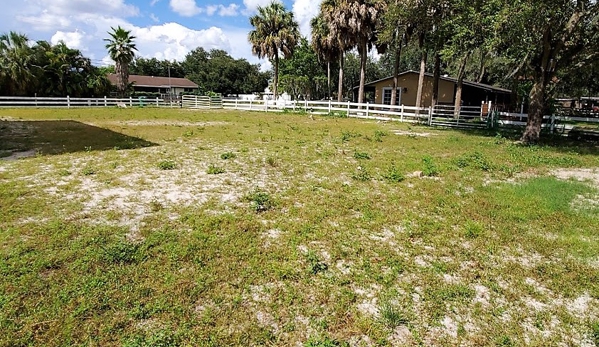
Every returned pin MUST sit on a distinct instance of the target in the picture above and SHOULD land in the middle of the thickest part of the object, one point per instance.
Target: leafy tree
(275, 32)
(325, 47)
(544, 39)
(353, 72)
(155, 67)
(355, 21)
(216, 71)
(395, 31)
(15, 63)
(302, 73)
(121, 49)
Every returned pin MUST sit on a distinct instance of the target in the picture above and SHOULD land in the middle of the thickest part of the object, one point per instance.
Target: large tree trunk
(340, 89)
(436, 77)
(329, 79)
(395, 75)
(363, 56)
(536, 108)
(276, 80)
(421, 75)
(459, 86)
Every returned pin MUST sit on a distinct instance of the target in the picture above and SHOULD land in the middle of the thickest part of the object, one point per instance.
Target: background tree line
(44, 69)
(539, 49)
(47, 70)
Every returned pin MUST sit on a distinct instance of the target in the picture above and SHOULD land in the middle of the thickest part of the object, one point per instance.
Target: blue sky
(165, 29)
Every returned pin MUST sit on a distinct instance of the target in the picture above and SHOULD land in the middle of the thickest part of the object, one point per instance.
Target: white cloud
(304, 11)
(45, 21)
(154, 18)
(230, 10)
(185, 8)
(252, 5)
(173, 41)
(71, 39)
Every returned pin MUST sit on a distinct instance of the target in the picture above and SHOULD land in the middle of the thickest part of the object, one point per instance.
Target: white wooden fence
(442, 115)
(68, 102)
(201, 102)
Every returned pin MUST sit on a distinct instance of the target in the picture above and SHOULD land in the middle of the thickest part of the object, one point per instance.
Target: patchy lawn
(148, 227)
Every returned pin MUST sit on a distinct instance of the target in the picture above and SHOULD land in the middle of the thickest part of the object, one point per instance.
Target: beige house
(473, 94)
(162, 85)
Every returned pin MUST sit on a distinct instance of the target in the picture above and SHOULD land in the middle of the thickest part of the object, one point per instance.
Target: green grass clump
(393, 175)
(167, 164)
(361, 155)
(326, 342)
(361, 174)
(214, 170)
(89, 170)
(260, 201)
(392, 316)
(228, 155)
(476, 160)
(429, 169)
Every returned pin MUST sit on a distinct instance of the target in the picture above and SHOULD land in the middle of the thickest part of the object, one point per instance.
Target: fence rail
(68, 102)
(467, 117)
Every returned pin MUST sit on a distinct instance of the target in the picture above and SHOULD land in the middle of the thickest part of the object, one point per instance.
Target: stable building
(159, 85)
(473, 94)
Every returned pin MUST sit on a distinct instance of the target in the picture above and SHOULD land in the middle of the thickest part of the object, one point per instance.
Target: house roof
(450, 79)
(157, 82)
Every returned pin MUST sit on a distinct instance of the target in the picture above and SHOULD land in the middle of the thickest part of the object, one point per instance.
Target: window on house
(387, 96)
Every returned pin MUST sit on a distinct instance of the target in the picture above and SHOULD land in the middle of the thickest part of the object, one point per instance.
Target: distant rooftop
(158, 82)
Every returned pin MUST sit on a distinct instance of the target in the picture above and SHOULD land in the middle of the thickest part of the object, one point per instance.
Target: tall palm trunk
(436, 77)
(423, 58)
(340, 89)
(329, 79)
(459, 86)
(363, 56)
(395, 75)
(276, 79)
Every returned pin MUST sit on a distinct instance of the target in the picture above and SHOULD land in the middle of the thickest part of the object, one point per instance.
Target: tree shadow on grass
(581, 141)
(26, 138)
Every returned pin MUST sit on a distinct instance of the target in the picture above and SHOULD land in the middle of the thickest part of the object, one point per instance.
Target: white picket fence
(469, 117)
(201, 102)
(68, 102)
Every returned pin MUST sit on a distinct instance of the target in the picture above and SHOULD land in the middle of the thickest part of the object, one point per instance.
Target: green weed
(167, 165)
(214, 170)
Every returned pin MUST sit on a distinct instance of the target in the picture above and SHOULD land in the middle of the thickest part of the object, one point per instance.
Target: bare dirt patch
(583, 175)
(412, 133)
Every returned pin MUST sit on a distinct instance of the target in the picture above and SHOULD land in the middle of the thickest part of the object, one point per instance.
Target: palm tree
(122, 50)
(275, 33)
(326, 48)
(354, 23)
(15, 63)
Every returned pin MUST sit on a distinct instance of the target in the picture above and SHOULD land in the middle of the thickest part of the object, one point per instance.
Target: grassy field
(147, 227)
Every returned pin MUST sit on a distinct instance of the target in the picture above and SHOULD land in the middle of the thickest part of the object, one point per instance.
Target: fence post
(305, 105)
(329, 106)
(430, 115)
(68, 101)
(266, 105)
(250, 105)
(157, 102)
(521, 110)
(130, 101)
(236, 103)
(552, 122)
(401, 114)
(348, 108)
(367, 108)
